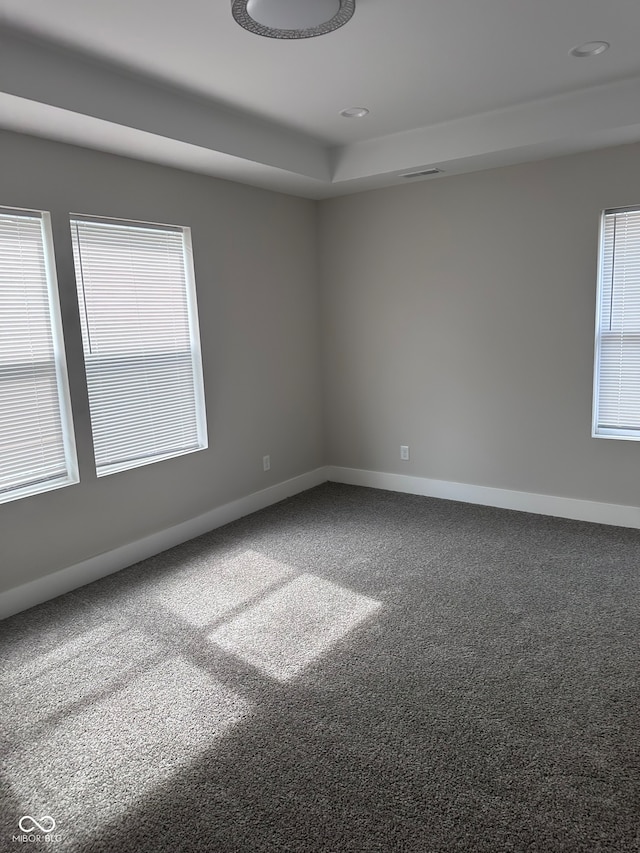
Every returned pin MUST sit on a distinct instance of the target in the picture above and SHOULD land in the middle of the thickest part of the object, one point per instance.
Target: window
(36, 432)
(136, 293)
(616, 398)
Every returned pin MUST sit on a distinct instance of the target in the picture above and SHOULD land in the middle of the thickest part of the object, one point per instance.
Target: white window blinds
(37, 450)
(617, 364)
(136, 293)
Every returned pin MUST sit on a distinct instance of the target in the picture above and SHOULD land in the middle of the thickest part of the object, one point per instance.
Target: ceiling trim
(61, 94)
(70, 81)
(562, 118)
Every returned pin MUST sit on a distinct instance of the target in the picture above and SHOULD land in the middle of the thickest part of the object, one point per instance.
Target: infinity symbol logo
(28, 823)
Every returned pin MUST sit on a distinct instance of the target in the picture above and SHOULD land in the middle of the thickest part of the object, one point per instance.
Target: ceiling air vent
(422, 173)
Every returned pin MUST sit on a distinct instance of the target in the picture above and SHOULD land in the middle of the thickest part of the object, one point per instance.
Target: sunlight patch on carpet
(211, 592)
(97, 763)
(73, 673)
(286, 631)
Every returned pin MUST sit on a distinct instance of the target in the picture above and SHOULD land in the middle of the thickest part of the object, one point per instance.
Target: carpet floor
(348, 670)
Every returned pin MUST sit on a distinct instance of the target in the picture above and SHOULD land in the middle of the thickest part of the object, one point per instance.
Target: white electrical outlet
(266, 463)
(404, 452)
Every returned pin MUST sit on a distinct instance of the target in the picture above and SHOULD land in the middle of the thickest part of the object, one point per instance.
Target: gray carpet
(349, 670)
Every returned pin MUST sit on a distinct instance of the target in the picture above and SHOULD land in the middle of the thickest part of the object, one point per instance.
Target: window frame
(619, 433)
(71, 475)
(195, 346)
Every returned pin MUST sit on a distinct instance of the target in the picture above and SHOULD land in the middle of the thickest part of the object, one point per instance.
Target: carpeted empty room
(319, 426)
(347, 670)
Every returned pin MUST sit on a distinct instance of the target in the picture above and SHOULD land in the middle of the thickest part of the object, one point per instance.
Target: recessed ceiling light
(292, 19)
(590, 48)
(354, 112)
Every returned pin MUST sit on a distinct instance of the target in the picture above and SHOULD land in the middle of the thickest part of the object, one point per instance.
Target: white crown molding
(66, 580)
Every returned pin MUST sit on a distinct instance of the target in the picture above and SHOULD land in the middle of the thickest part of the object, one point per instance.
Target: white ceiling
(460, 84)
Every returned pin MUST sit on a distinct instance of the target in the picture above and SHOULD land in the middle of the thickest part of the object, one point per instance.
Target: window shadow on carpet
(99, 721)
(348, 671)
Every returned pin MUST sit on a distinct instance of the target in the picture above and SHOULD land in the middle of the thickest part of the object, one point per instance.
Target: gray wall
(458, 318)
(455, 316)
(256, 269)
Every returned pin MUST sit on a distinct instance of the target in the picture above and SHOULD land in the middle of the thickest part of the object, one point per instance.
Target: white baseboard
(581, 510)
(37, 591)
(29, 594)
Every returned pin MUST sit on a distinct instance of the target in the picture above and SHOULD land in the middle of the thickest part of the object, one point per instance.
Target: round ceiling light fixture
(292, 19)
(590, 48)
